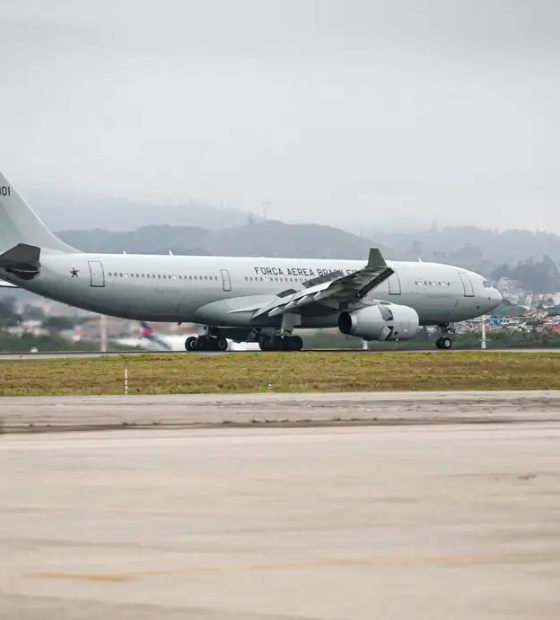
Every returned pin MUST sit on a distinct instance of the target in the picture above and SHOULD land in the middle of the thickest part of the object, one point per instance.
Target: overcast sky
(369, 111)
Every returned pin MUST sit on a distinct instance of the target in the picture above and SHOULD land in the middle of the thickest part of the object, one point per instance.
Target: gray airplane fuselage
(224, 291)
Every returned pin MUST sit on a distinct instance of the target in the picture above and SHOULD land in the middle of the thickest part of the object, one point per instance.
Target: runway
(65, 354)
(425, 522)
(63, 413)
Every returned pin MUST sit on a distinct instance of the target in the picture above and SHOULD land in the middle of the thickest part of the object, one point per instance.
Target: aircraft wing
(7, 284)
(331, 289)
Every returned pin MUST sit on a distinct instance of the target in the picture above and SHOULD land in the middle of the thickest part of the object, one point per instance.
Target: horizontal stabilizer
(22, 260)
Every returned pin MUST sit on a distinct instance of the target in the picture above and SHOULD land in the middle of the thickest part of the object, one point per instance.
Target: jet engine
(380, 322)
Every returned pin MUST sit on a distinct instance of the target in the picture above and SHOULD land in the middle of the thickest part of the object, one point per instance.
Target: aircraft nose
(495, 297)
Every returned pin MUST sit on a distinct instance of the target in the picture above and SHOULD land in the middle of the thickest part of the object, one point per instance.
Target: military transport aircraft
(244, 299)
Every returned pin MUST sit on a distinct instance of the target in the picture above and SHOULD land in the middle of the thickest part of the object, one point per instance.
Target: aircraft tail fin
(20, 224)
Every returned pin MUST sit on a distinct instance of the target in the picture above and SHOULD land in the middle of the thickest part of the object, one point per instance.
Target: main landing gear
(444, 341)
(206, 342)
(280, 343)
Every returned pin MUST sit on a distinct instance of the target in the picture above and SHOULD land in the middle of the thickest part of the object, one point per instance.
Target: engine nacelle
(380, 322)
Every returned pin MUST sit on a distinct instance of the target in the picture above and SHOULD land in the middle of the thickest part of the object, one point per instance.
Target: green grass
(288, 372)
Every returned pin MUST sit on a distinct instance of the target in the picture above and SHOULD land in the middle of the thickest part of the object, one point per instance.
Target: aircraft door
(467, 285)
(97, 276)
(226, 280)
(394, 284)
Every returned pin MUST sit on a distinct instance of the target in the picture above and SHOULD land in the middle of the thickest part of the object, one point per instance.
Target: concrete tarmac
(416, 522)
(60, 413)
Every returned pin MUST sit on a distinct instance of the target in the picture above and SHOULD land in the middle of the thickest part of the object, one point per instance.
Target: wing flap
(335, 287)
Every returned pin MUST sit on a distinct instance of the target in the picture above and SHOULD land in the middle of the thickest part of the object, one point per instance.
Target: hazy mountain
(64, 212)
(113, 225)
(145, 240)
(472, 244)
(266, 238)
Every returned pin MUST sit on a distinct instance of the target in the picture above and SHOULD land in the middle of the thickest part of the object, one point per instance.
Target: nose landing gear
(444, 341)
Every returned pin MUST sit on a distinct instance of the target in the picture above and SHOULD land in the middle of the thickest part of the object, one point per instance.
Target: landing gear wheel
(191, 343)
(264, 343)
(277, 343)
(203, 343)
(444, 343)
(221, 344)
(295, 343)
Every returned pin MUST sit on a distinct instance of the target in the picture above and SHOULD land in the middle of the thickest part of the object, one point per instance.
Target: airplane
(151, 341)
(259, 300)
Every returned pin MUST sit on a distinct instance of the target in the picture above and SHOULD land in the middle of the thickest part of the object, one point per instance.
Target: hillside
(265, 238)
(76, 212)
(457, 244)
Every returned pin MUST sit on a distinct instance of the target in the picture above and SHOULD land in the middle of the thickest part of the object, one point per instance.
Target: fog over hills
(82, 212)
(266, 238)
(116, 225)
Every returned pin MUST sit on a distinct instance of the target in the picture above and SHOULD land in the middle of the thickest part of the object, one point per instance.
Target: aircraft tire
(221, 344)
(295, 343)
(444, 343)
(191, 343)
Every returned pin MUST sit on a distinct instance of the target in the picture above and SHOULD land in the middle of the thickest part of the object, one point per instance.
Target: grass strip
(287, 372)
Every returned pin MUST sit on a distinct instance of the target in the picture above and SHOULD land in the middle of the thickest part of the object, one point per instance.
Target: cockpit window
(486, 284)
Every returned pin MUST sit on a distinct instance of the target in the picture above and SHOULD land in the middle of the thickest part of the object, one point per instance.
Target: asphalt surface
(60, 413)
(422, 522)
(54, 355)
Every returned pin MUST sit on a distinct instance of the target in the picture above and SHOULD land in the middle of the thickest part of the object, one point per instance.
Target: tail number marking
(5, 191)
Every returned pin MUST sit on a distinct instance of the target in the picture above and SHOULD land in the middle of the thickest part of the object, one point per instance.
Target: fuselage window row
(114, 274)
(430, 283)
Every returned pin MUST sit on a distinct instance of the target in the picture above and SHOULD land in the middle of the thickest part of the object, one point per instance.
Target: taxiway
(426, 522)
(63, 413)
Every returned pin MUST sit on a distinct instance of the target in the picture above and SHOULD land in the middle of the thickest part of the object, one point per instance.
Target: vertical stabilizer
(20, 224)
